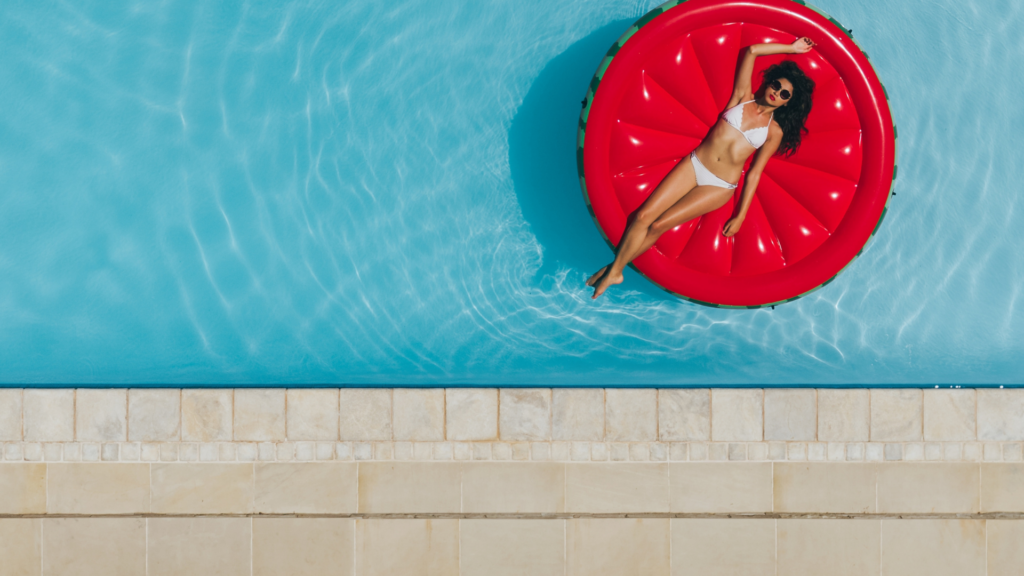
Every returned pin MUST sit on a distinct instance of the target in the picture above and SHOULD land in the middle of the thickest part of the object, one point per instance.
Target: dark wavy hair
(792, 116)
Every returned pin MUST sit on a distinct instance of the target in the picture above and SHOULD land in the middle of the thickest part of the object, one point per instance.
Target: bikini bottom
(705, 177)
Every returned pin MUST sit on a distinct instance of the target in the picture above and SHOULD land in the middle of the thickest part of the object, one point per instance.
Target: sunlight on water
(385, 193)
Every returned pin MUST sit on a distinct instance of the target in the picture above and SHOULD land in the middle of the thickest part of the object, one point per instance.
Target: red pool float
(656, 95)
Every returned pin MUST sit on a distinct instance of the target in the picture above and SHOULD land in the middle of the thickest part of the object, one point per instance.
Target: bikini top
(755, 136)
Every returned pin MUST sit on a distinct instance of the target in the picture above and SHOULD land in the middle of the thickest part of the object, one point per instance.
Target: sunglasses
(784, 94)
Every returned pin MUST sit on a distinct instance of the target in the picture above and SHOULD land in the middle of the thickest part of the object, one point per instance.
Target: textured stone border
(539, 424)
(514, 451)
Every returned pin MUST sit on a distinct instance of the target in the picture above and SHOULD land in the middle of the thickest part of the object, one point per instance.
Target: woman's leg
(696, 202)
(699, 201)
(675, 186)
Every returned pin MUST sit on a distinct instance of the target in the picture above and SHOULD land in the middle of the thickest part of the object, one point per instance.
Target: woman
(770, 121)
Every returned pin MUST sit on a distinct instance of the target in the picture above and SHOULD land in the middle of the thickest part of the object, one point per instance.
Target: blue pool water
(384, 193)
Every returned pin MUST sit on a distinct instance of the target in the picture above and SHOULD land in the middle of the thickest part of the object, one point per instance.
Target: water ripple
(385, 193)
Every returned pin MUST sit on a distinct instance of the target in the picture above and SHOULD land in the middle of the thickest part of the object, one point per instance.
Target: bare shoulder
(774, 130)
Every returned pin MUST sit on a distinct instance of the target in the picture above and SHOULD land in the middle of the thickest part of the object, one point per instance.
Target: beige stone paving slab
(366, 414)
(617, 547)
(313, 414)
(723, 547)
(259, 414)
(896, 415)
(524, 414)
(737, 415)
(410, 487)
(616, 487)
(21, 547)
(200, 547)
(790, 414)
(844, 415)
(721, 487)
(1000, 414)
(496, 547)
(22, 488)
(179, 488)
(11, 400)
(814, 487)
(154, 415)
(684, 415)
(419, 414)
(303, 547)
(94, 546)
(631, 415)
(926, 487)
(206, 415)
(950, 415)
(471, 414)
(1002, 487)
(814, 547)
(101, 415)
(577, 414)
(513, 487)
(520, 450)
(407, 547)
(306, 488)
(1005, 547)
(97, 488)
(1012, 452)
(49, 415)
(933, 547)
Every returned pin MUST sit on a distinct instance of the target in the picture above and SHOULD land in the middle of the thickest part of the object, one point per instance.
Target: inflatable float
(655, 96)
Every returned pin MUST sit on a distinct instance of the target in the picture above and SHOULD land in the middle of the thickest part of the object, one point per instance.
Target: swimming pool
(199, 192)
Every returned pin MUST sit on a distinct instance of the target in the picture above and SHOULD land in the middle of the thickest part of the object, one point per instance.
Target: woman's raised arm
(742, 89)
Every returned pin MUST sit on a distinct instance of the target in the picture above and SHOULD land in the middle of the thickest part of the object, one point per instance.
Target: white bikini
(755, 136)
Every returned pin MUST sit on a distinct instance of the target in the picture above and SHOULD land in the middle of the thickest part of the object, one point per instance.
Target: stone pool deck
(512, 481)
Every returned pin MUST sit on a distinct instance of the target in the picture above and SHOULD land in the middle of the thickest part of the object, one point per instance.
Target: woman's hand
(802, 45)
(733, 226)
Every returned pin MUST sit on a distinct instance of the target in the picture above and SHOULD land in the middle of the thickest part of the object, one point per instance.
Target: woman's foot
(597, 276)
(609, 279)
